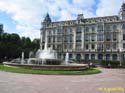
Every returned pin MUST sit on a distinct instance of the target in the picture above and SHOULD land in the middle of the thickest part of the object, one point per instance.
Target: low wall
(49, 67)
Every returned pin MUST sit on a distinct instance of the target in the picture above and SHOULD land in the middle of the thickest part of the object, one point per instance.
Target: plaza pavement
(97, 83)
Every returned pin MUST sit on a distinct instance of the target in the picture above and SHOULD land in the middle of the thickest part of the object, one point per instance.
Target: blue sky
(24, 16)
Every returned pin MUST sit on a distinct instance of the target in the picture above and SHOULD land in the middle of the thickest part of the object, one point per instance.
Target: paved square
(28, 83)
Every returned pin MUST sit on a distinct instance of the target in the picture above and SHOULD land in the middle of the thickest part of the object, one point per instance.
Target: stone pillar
(74, 56)
(89, 56)
(82, 56)
(96, 56)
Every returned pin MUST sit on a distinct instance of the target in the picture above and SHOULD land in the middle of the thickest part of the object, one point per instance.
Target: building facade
(86, 38)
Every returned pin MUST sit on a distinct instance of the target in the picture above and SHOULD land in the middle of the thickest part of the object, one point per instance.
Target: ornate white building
(87, 38)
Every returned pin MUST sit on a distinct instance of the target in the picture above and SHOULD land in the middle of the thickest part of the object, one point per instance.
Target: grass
(48, 72)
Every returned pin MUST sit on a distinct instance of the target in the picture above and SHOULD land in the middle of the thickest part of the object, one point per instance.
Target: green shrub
(123, 63)
(104, 63)
(113, 63)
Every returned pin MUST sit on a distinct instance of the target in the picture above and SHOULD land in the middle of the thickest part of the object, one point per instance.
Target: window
(100, 37)
(78, 37)
(108, 46)
(123, 45)
(53, 39)
(114, 27)
(114, 56)
(49, 40)
(70, 29)
(108, 37)
(86, 37)
(100, 56)
(114, 36)
(123, 26)
(78, 45)
(114, 45)
(92, 56)
(100, 27)
(54, 31)
(78, 56)
(93, 29)
(86, 56)
(50, 32)
(86, 29)
(87, 46)
(92, 46)
(66, 31)
(59, 39)
(123, 36)
(78, 30)
(100, 46)
(107, 56)
(93, 37)
(54, 47)
(68, 38)
(59, 30)
(107, 28)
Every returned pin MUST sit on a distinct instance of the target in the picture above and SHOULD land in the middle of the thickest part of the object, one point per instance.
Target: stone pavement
(29, 83)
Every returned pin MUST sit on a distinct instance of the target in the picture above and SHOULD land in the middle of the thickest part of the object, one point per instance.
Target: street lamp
(120, 57)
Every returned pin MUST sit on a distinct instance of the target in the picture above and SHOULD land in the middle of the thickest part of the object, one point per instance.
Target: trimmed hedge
(86, 61)
(103, 63)
(110, 63)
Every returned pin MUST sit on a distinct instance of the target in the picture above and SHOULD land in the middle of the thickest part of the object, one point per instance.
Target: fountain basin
(50, 67)
(44, 61)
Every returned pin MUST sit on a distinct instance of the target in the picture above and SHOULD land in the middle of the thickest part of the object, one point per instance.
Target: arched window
(78, 56)
(86, 56)
(100, 56)
(92, 56)
(107, 56)
(114, 56)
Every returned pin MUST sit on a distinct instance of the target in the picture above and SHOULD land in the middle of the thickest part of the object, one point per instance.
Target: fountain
(45, 59)
(45, 56)
(66, 58)
(22, 58)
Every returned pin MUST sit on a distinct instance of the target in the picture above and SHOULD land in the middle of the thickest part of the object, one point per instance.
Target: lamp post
(120, 57)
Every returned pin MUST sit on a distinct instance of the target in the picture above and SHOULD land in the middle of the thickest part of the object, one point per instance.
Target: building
(87, 38)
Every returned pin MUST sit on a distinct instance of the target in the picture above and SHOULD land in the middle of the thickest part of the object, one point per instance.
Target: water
(66, 58)
(22, 58)
(46, 53)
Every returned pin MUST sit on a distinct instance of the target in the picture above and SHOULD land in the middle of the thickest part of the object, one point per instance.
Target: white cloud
(110, 7)
(28, 14)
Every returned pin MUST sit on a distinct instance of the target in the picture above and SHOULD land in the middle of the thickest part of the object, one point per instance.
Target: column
(82, 56)
(96, 56)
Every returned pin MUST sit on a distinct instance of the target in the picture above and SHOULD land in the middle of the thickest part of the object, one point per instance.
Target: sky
(24, 17)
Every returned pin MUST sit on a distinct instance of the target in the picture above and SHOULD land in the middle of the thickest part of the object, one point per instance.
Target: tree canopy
(12, 45)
